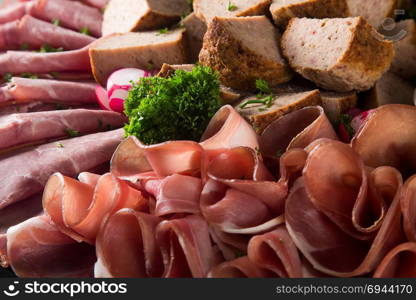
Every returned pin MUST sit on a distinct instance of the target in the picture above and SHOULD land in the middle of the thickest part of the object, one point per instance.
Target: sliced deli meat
(206, 10)
(34, 33)
(398, 263)
(261, 115)
(24, 128)
(243, 49)
(34, 166)
(341, 54)
(136, 15)
(138, 50)
(375, 11)
(14, 11)
(283, 10)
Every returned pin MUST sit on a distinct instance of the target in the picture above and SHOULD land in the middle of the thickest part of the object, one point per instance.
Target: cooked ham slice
(17, 62)
(32, 168)
(67, 92)
(34, 33)
(14, 11)
(36, 248)
(96, 3)
(139, 255)
(399, 263)
(24, 128)
(71, 14)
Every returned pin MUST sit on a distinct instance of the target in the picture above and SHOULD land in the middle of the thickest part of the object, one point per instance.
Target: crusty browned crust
(366, 59)
(310, 9)
(153, 20)
(336, 104)
(238, 66)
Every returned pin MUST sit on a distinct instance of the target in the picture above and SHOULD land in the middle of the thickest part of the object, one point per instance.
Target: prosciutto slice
(17, 62)
(34, 33)
(186, 247)
(398, 263)
(26, 173)
(241, 267)
(71, 14)
(35, 248)
(139, 255)
(26, 128)
(408, 205)
(394, 144)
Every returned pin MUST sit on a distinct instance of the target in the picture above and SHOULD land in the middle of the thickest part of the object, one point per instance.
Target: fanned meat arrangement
(262, 138)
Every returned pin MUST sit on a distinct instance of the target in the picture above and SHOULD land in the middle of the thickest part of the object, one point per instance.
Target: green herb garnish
(175, 108)
(346, 120)
(7, 77)
(84, 30)
(56, 22)
(24, 46)
(71, 132)
(59, 145)
(54, 74)
(265, 96)
(29, 75)
(163, 31)
(231, 6)
(47, 48)
(240, 253)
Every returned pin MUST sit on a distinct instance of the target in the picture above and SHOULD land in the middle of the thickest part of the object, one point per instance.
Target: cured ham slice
(241, 267)
(276, 252)
(34, 33)
(35, 248)
(398, 263)
(392, 145)
(186, 247)
(17, 62)
(71, 14)
(139, 255)
(96, 3)
(408, 204)
(30, 170)
(78, 209)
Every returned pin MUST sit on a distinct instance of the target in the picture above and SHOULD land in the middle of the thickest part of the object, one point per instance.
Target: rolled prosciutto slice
(71, 14)
(408, 204)
(17, 62)
(26, 128)
(28, 171)
(398, 263)
(36, 248)
(139, 255)
(186, 247)
(34, 33)
(79, 209)
(241, 267)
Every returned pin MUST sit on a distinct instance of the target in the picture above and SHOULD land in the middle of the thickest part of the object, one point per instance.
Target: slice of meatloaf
(341, 54)
(335, 104)
(206, 10)
(243, 49)
(283, 10)
(133, 15)
(404, 37)
(260, 116)
(375, 11)
(195, 31)
(389, 89)
(136, 50)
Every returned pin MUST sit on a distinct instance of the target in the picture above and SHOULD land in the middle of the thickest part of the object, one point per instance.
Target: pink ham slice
(34, 33)
(186, 247)
(408, 204)
(18, 62)
(26, 128)
(139, 255)
(241, 267)
(276, 252)
(14, 11)
(36, 248)
(391, 144)
(96, 3)
(398, 263)
(78, 209)
(36, 165)
(71, 14)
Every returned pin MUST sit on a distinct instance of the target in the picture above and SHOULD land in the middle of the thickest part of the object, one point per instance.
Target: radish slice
(102, 97)
(117, 105)
(124, 77)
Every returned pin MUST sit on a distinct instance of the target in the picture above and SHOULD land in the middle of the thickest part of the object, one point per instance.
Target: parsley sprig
(265, 96)
(231, 6)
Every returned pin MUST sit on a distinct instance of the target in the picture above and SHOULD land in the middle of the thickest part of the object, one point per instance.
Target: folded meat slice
(14, 11)
(45, 90)
(29, 170)
(71, 14)
(275, 251)
(34, 33)
(139, 255)
(36, 248)
(96, 3)
(408, 204)
(398, 263)
(388, 138)
(17, 62)
(78, 209)
(327, 247)
(186, 247)
(241, 267)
